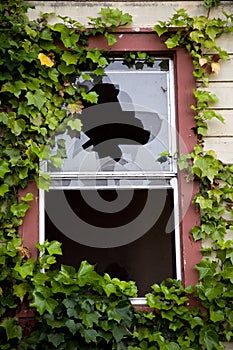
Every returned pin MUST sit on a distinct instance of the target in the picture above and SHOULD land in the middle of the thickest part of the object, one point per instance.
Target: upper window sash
(138, 99)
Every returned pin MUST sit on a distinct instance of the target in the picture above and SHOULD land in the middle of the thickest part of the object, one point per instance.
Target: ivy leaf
(20, 290)
(56, 339)
(37, 99)
(210, 338)
(3, 168)
(53, 74)
(27, 198)
(72, 326)
(69, 40)
(86, 274)
(206, 268)
(70, 58)
(90, 97)
(45, 60)
(43, 181)
(90, 335)
(15, 87)
(215, 66)
(111, 38)
(89, 318)
(206, 166)
(216, 315)
(64, 69)
(54, 247)
(209, 114)
(173, 41)
(119, 332)
(17, 126)
(4, 188)
(26, 269)
(204, 203)
(160, 30)
(12, 329)
(43, 304)
(19, 209)
(4, 118)
(75, 107)
(196, 35)
(212, 32)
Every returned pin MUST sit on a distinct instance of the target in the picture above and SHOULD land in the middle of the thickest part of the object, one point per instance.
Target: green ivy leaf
(64, 69)
(27, 198)
(160, 30)
(70, 58)
(17, 126)
(53, 74)
(119, 332)
(4, 188)
(196, 36)
(12, 329)
(210, 338)
(3, 168)
(37, 99)
(26, 269)
(54, 247)
(20, 290)
(43, 304)
(90, 96)
(203, 202)
(15, 88)
(56, 339)
(216, 315)
(206, 166)
(19, 209)
(88, 319)
(212, 31)
(90, 335)
(173, 41)
(111, 39)
(72, 326)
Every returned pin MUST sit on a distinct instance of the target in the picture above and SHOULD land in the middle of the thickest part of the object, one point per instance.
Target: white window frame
(169, 176)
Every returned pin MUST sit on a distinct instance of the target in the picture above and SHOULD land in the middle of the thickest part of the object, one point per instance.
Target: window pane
(125, 233)
(130, 126)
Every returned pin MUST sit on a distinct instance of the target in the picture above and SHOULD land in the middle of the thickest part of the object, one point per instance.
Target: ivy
(79, 308)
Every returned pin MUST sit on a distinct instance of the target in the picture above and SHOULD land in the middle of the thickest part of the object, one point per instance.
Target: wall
(145, 15)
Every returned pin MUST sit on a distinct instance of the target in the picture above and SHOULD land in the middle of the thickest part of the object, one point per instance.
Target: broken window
(113, 200)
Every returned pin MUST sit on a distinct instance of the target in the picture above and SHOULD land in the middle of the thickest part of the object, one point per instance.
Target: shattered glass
(129, 127)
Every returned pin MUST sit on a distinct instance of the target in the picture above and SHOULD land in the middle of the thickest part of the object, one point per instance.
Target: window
(111, 202)
(112, 172)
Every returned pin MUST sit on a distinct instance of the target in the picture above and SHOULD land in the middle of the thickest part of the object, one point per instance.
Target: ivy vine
(79, 309)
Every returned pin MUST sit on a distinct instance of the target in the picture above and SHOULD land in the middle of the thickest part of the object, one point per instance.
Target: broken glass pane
(129, 127)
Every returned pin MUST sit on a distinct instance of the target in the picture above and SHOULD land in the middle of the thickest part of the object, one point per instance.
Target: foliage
(80, 309)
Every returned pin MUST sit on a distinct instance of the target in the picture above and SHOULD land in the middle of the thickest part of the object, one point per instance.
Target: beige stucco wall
(145, 15)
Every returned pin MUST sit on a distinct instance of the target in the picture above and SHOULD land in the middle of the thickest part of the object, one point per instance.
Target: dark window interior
(148, 259)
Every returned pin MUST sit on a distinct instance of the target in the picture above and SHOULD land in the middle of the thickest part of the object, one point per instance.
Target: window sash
(172, 148)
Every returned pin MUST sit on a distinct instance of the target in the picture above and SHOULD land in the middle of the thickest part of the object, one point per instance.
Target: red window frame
(145, 40)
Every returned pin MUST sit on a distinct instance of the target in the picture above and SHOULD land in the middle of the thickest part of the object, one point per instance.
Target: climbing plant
(80, 309)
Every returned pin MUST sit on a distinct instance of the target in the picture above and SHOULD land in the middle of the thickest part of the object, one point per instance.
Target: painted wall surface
(145, 15)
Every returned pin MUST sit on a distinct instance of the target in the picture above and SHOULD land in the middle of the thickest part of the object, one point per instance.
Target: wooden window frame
(148, 41)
